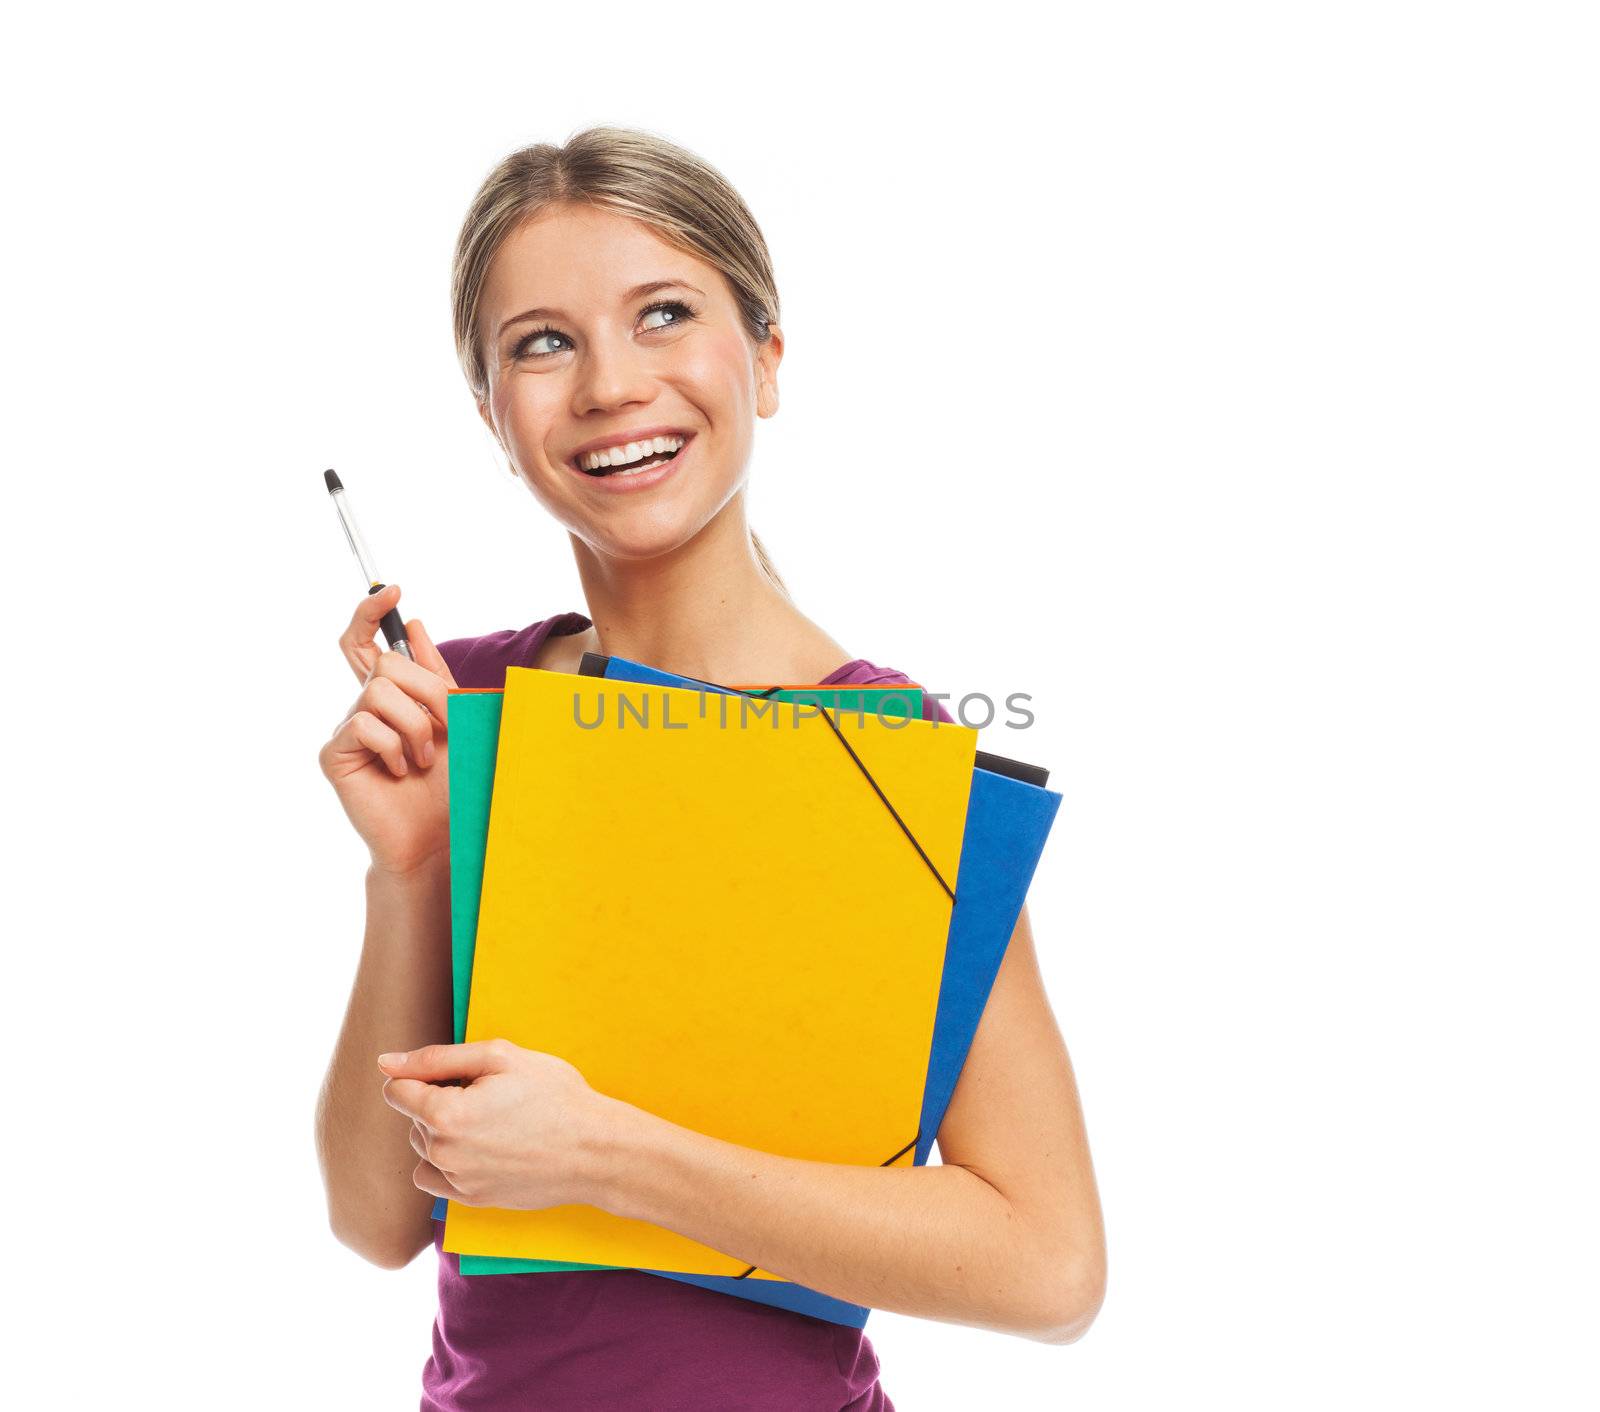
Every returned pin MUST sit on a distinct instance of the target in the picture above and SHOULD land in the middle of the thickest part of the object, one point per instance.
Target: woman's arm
(1007, 1234)
(401, 993)
(388, 761)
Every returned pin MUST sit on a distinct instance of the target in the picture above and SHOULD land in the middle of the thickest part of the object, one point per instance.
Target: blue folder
(1009, 816)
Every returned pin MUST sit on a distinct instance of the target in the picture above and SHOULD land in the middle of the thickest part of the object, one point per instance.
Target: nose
(612, 373)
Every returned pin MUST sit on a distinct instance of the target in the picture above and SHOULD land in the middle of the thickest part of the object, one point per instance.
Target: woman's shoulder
(482, 661)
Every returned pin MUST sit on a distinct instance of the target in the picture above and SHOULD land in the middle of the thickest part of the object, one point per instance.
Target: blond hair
(684, 199)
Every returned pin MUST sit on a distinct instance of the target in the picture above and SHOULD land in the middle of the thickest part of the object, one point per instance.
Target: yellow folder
(736, 925)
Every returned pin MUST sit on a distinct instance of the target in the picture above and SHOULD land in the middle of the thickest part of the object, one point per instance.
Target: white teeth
(647, 465)
(632, 451)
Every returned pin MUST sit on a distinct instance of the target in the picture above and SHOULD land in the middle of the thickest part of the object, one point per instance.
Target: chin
(640, 535)
(638, 547)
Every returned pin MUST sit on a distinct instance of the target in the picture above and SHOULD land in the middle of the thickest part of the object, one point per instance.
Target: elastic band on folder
(948, 890)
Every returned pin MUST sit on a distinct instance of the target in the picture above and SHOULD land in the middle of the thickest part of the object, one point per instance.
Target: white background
(1222, 375)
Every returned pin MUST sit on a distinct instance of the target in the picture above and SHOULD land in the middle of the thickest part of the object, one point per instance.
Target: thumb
(425, 654)
(434, 1063)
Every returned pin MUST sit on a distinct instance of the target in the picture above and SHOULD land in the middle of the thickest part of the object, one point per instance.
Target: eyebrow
(637, 292)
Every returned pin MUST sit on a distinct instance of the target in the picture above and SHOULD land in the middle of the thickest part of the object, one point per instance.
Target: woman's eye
(669, 314)
(533, 346)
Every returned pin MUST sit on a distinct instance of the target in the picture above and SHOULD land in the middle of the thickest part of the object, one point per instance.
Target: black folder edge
(1012, 769)
(594, 664)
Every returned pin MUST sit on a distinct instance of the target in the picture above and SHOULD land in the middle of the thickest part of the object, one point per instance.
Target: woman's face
(597, 333)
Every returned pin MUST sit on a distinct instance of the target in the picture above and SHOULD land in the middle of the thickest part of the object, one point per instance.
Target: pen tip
(332, 481)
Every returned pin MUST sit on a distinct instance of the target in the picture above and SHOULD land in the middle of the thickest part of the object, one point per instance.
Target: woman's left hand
(523, 1132)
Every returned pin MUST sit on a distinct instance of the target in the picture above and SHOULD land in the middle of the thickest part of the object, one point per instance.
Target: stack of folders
(772, 915)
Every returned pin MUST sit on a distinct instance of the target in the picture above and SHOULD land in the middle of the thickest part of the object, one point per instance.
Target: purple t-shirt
(620, 1340)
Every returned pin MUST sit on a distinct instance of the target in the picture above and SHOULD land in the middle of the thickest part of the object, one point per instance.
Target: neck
(705, 610)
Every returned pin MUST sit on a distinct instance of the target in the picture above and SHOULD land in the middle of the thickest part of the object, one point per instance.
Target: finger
(430, 1179)
(426, 653)
(419, 1140)
(434, 1062)
(356, 641)
(402, 713)
(424, 685)
(357, 741)
(421, 1102)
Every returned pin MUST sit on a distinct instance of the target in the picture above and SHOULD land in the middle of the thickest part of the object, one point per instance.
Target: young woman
(617, 321)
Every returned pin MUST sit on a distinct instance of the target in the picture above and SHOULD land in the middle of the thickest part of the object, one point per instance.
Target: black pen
(393, 629)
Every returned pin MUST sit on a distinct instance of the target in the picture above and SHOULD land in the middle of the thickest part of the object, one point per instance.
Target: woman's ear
(768, 355)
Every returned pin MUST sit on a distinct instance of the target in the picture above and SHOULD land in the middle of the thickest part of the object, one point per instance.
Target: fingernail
(392, 1060)
(427, 752)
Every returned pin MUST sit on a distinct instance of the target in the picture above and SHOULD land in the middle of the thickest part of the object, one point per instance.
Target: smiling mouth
(646, 462)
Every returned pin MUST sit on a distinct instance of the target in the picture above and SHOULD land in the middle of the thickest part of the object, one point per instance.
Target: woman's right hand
(388, 760)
